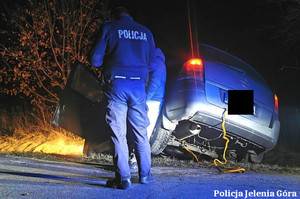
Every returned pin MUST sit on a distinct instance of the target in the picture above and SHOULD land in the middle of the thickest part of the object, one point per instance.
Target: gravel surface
(74, 177)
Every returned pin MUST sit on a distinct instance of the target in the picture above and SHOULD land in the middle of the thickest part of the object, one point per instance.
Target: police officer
(126, 53)
(155, 97)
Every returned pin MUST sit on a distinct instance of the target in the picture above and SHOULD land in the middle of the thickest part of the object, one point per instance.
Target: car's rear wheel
(159, 138)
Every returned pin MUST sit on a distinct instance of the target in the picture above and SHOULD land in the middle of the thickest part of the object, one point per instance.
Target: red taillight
(276, 104)
(195, 62)
(194, 67)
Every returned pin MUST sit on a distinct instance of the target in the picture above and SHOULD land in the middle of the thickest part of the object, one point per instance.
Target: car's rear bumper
(241, 127)
(196, 109)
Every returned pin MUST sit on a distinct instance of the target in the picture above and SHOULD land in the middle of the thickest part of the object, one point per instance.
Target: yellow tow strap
(217, 162)
(190, 152)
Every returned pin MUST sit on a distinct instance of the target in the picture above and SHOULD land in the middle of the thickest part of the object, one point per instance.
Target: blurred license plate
(225, 100)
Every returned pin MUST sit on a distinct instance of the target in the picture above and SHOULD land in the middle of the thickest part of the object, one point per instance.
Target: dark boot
(147, 179)
(115, 183)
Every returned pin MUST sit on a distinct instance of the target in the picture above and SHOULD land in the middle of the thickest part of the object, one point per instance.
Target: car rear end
(200, 95)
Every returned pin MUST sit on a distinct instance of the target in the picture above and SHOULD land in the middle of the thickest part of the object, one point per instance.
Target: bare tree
(40, 41)
(282, 21)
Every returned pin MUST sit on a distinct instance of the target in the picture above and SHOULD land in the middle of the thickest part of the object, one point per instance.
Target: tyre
(159, 138)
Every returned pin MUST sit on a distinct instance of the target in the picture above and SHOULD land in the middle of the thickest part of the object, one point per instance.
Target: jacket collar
(126, 17)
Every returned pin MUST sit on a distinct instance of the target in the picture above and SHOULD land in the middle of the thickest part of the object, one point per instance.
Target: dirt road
(38, 179)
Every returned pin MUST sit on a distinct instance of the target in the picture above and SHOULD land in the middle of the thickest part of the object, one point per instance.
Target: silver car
(192, 112)
(194, 109)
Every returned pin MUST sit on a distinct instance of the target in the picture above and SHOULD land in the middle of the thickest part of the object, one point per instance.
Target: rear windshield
(213, 54)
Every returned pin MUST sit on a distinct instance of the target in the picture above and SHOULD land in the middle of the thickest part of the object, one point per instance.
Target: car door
(79, 109)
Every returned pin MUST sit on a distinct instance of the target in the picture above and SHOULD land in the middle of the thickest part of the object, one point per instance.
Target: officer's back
(128, 46)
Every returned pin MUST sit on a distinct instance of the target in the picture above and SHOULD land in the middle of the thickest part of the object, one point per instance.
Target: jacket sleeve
(154, 81)
(156, 77)
(100, 47)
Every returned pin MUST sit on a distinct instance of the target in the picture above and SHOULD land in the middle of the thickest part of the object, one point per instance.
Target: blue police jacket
(157, 81)
(125, 48)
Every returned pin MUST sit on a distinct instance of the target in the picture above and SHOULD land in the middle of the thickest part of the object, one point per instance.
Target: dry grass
(262, 167)
(283, 157)
(159, 161)
(23, 132)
